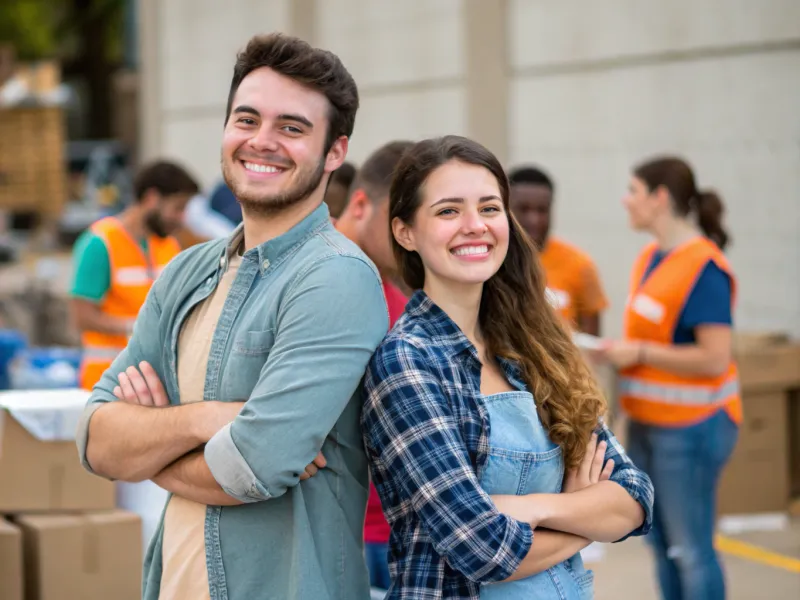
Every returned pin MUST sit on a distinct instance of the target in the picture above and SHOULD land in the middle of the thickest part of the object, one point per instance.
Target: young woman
(679, 385)
(477, 401)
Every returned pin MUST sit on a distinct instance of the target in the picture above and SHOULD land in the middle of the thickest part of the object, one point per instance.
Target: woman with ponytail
(678, 383)
(481, 421)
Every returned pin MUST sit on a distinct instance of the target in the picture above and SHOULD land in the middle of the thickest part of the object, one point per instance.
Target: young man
(572, 277)
(117, 259)
(365, 220)
(284, 315)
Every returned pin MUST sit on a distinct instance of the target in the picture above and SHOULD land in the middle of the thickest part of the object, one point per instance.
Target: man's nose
(264, 140)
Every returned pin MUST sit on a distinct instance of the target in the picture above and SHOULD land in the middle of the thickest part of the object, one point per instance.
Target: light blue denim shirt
(299, 325)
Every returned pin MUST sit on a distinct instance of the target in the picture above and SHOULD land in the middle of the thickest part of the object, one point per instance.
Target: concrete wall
(717, 81)
(585, 89)
(187, 50)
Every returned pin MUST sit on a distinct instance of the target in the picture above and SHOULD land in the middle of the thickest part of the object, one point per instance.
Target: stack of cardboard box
(61, 537)
(764, 470)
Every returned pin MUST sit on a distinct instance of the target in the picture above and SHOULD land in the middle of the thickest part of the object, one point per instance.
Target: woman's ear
(403, 234)
(663, 197)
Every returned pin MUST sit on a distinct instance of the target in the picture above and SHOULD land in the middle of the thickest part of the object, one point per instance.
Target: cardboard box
(94, 556)
(10, 561)
(771, 366)
(758, 477)
(756, 480)
(744, 340)
(39, 466)
(794, 445)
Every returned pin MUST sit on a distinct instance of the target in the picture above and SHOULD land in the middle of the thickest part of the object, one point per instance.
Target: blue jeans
(684, 464)
(377, 556)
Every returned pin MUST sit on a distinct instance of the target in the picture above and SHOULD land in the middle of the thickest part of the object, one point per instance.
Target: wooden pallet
(32, 165)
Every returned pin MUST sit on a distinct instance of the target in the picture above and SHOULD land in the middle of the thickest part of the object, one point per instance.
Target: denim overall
(523, 460)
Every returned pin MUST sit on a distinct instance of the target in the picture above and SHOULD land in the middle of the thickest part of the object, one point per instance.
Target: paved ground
(758, 566)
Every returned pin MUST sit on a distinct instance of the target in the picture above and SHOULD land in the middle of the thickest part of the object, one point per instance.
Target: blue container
(11, 343)
(46, 368)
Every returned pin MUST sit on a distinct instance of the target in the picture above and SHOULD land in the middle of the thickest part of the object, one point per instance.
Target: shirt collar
(443, 330)
(440, 327)
(275, 250)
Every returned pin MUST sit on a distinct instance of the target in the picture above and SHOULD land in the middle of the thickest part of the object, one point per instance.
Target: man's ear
(359, 206)
(403, 234)
(337, 154)
(150, 199)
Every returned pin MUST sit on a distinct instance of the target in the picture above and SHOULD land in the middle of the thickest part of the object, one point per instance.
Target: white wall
(189, 74)
(592, 88)
(408, 60)
(594, 91)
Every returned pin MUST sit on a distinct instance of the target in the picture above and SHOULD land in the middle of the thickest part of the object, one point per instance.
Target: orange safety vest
(568, 270)
(132, 275)
(654, 396)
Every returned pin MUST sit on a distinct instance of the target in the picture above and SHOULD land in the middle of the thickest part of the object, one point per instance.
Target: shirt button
(265, 264)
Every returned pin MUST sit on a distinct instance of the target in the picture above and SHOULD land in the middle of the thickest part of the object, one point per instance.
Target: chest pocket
(254, 343)
(243, 365)
(522, 459)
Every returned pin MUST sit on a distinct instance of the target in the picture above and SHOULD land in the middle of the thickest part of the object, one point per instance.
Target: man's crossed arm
(143, 437)
(130, 432)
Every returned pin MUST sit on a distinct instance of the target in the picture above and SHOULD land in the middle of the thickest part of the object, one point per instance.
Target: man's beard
(156, 225)
(308, 181)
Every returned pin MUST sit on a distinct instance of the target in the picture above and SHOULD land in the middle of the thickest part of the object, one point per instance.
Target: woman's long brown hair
(516, 320)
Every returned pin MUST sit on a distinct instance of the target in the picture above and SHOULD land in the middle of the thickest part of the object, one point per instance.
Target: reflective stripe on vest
(100, 353)
(130, 276)
(689, 395)
(656, 396)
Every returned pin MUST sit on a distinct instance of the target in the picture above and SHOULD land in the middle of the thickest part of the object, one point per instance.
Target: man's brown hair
(166, 177)
(375, 175)
(318, 69)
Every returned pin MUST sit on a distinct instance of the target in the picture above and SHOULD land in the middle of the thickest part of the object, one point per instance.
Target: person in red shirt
(365, 220)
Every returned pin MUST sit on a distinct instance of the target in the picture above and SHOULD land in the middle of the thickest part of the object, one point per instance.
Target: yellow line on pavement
(757, 554)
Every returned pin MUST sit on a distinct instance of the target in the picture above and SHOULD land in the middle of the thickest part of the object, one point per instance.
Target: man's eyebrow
(247, 110)
(297, 118)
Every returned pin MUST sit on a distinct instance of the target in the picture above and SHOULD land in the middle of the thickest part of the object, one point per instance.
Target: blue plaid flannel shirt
(427, 438)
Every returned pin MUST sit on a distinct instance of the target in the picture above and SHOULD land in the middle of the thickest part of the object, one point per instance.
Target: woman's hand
(591, 469)
(623, 353)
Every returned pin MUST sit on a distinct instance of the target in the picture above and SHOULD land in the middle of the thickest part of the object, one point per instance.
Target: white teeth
(468, 250)
(260, 168)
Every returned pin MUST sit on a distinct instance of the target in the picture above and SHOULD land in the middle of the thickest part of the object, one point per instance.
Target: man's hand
(143, 388)
(318, 463)
(591, 469)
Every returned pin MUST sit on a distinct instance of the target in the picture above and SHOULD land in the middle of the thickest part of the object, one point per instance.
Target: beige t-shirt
(183, 549)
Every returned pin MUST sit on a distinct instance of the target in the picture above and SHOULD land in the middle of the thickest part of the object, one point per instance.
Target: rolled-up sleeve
(328, 326)
(635, 481)
(418, 455)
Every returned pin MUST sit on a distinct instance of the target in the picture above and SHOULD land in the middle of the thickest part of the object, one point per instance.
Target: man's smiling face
(273, 148)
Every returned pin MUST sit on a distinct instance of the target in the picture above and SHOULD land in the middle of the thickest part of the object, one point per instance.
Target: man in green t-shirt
(116, 260)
